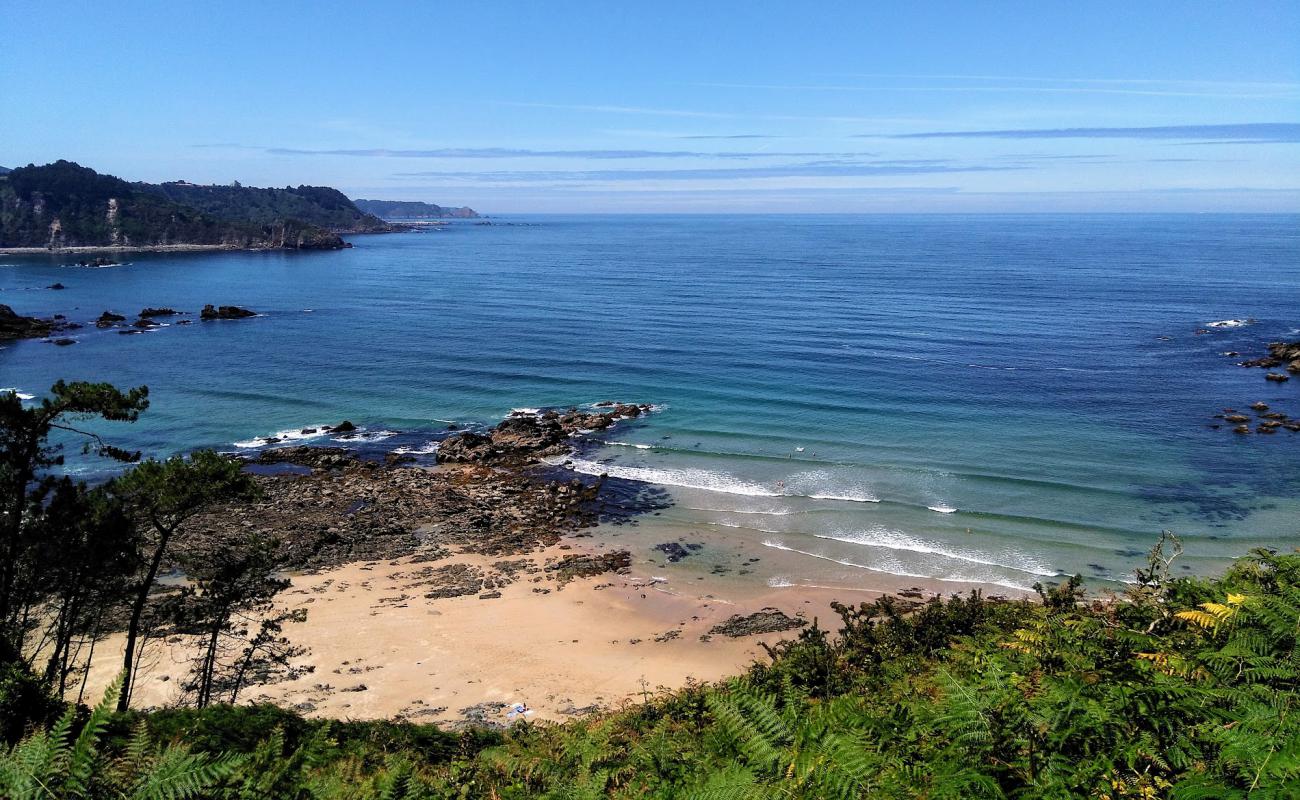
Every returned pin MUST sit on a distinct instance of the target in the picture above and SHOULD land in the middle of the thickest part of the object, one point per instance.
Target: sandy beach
(380, 649)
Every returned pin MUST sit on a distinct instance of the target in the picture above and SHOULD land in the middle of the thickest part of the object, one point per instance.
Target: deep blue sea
(969, 398)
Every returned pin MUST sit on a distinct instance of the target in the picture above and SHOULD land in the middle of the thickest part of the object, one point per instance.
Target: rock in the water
(1277, 377)
(345, 426)
(56, 287)
(225, 312)
(676, 551)
(769, 620)
(63, 342)
(108, 319)
(159, 312)
(1279, 353)
(15, 326)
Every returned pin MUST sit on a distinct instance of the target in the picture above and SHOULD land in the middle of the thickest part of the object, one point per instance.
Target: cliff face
(67, 205)
(411, 209)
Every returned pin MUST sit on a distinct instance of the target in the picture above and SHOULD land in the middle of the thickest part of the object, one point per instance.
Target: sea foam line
(687, 478)
(897, 540)
(21, 395)
(287, 435)
(900, 573)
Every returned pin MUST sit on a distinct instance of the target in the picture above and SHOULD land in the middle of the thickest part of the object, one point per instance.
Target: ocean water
(995, 399)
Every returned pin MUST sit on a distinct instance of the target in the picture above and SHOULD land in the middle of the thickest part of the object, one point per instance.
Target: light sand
(592, 643)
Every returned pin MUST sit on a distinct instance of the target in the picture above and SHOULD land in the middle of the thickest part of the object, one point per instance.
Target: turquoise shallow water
(991, 399)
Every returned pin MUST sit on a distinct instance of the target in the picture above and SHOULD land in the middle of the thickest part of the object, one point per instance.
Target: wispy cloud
(1153, 91)
(677, 112)
(1182, 82)
(504, 152)
(616, 109)
(1244, 133)
(818, 169)
(731, 136)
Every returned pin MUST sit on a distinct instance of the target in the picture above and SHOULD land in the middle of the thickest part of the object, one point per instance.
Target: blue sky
(673, 106)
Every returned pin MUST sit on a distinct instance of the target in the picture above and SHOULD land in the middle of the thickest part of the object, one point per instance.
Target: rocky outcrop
(15, 326)
(525, 436)
(158, 312)
(108, 319)
(585, 565)
(210, 312)
(769, 620)
(350, 510)
(1280, 354)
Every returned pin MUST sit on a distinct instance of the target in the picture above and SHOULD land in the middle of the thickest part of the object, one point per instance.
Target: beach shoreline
(415, 611)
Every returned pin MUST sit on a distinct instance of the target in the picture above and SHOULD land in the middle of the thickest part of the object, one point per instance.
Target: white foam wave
(851, 498)
(889, 539)
(780, 513)
(288, 435)
(366, 436)
(630, 444)
(687, 478)
(423, 450)
(943, 509)
(21, 395)
(989, 581)
(779, 582)
(1229, 323)
(813, 484)
(524, 411)
(742, 527)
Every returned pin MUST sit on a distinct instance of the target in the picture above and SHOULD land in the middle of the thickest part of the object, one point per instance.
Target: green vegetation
(315, 205)
(65, 205)
(413, 209)
(1180, 688)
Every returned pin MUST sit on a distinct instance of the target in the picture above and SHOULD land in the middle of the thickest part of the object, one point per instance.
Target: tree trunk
(209, 663)
(137, 611)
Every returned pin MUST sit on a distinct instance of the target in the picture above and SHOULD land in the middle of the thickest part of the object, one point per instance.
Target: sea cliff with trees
(1178, 686)
(64, 205)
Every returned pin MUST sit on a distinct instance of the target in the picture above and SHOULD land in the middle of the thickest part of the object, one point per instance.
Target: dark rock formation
(15, 326)
(159, 312)
(345, 426)
(676, 551)
(58, 287)
(769, 620)
(225, 312)
(465, 447)
(307, 456)
(585, 565)
(523, 437)
(1279, 354)
(108, 319)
